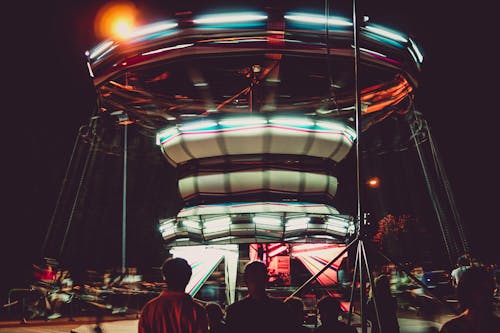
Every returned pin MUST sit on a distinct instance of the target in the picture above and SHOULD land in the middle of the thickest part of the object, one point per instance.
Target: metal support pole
(323, 269)
(124, 202)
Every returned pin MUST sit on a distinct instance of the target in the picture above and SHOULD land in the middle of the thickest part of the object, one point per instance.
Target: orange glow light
(115, 19)
(373, 182)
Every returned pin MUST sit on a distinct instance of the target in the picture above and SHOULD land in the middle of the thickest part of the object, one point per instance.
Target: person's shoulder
(345, 328)
(236, 306)
(455, 324)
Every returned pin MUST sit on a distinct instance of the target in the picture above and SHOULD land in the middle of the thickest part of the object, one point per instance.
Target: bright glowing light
(230, 18)
(337, 223)
(100, 49)
(122, 27)
(115, 19)
(191, 224)
(151, 29)
(417, 51)
(198, 125)
(319, 19)
(243, 121)
(91, 73)
(217, 224)
(291, 121)
(372, 52)
(266, 220)
(298, 222)
(165, 134)
(386, 33)
(180, 46)
(373, 182)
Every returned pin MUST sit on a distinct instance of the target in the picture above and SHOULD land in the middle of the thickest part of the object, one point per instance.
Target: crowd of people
(175, 311)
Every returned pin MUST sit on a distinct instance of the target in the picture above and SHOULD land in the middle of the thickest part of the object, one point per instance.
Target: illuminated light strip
(413, 55)
(284, 127)
(371, 52)
(417, 50)
(266, 207)
(176, 47)
(91, 73)
(250, 122)
(386, 33)
(162, 138)
(319, 19)
(151, 29)
(100, 48)
(230, 18)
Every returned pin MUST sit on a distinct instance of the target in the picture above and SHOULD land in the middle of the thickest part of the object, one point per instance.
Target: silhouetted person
(257, 313)
(216, 323)
(463, 264)
(174, 311)
(475, 294)
(329, 311)
(296, 309)
(387, 306)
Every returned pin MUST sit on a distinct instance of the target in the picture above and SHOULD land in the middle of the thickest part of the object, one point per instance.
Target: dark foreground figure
(329, 312)
(475, 294)
(257, 313)
(174, 311)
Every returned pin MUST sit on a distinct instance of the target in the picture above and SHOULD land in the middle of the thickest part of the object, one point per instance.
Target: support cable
(449, 192)
(432, 194)
(61, 191)
(90, 156)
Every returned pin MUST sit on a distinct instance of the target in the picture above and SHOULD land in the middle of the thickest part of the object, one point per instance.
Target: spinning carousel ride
(255, 110)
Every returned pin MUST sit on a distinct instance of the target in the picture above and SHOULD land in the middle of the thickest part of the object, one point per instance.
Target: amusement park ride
(256, 110)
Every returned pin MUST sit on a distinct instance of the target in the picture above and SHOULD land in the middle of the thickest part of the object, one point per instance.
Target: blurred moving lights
(115, 19)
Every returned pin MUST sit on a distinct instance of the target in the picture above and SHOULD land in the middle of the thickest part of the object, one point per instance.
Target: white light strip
(319, 19)
(291, 121)
(151, 29)
(386, 33)
(198, 125)
(417, 51)
(180, 46)
(266, 220)
(100, 48)
(91, 73)
(243, 121)
(165, 134)
(371, 52)
(217, 224)
(297, 221)
(229, 18)
(191, 224)
(413, 55)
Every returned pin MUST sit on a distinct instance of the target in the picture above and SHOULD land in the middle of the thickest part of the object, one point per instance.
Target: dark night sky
(47, 95)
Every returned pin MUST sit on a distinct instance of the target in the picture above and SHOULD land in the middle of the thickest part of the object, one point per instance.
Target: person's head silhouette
(475, 290)
(255, 276)
(177, 273)
(381, 287)
(329, 310)
(296, 308)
